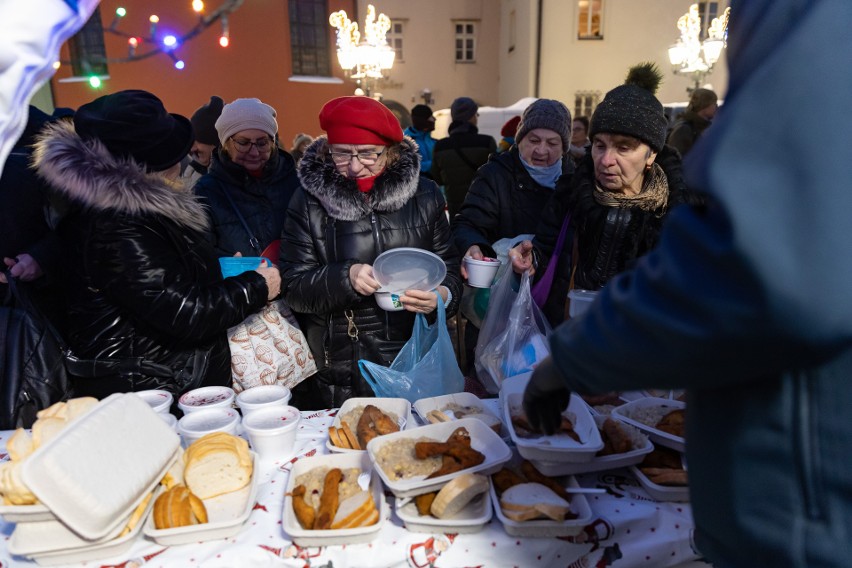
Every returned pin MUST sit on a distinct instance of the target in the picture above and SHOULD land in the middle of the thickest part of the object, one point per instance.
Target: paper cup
(206, 421)
(206, 397)
(160, 401)
(263, 396)
(481, 273)
(272, 431)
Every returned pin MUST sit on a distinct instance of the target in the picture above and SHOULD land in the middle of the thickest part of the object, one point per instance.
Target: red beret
(359, 120)
(511, 127)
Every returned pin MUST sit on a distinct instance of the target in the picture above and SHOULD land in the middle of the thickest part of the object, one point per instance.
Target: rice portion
(398, 461)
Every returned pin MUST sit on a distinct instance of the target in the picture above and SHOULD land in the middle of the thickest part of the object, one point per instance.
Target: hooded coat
(142, 283)
(330, 226)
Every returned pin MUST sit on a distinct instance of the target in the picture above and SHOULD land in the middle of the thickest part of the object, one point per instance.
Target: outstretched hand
(522, 258)
(545, 398)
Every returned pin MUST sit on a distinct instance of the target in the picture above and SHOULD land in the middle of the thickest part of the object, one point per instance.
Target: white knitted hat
(246, 114)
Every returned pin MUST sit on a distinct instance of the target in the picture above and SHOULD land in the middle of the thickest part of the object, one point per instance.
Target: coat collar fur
(339, 195)
(86, 173)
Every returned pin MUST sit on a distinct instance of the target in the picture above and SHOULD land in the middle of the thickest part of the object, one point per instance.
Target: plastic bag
(513, 338)
(425, 367)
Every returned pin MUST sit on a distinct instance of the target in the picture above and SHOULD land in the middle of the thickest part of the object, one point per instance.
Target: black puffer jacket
(331, 226)
(262, 201)
(504, 201)
(141, 280)
(609, 239)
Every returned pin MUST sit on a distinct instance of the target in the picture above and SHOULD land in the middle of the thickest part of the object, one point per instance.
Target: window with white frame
(394, 38)
(589, 20)
(465, 41)
(707, 11)
(87, 50)
(585, 102)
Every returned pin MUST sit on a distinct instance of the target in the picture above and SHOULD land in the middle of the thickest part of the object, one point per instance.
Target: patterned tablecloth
(629, 530)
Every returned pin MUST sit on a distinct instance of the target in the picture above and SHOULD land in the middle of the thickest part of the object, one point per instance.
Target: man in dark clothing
(457, 157)
(701, 110)
(422, 125)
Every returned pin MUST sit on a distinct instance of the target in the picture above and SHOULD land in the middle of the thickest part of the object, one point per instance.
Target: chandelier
(366, 59)
(695, 58)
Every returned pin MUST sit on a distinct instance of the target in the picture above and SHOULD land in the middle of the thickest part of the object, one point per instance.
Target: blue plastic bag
(425, 367)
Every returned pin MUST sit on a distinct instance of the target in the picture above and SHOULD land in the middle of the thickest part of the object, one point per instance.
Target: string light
(225, 38)
(197, 6)
(95, 82)
(170, 41)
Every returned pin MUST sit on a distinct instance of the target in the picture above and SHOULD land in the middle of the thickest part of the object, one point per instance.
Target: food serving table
(628, 529)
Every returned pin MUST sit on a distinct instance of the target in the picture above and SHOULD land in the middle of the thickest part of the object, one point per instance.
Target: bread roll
(46, 429)
(20, 445)
(178, 507)
(216, 464)
(519, 502)
(455, 495)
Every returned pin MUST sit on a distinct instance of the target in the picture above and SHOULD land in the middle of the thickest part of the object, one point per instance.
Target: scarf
(365, 184)
(653, 197)
(544, 175)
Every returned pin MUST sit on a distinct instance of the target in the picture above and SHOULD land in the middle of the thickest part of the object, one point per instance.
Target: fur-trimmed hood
(340, 196)
(87, 173)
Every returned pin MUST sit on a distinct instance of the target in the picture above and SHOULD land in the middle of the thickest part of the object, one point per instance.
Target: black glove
(545, 397)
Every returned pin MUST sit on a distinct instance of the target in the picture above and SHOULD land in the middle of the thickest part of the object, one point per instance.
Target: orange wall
(256, 64)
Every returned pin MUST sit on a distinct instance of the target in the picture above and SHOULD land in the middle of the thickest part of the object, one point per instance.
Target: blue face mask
(545, 175)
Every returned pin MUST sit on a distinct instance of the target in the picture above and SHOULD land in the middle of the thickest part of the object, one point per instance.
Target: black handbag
(32, 360)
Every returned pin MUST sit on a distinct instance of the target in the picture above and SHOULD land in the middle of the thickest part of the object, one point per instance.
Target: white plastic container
(206, 397)
(631, 412)
(481, 273)
(202, 422)
(388, 301)
(159, 400)
(272, 431)
(262, 396)
(580, 300)
(679, 494)
(547, 528)
(471, 519)
(398, 407)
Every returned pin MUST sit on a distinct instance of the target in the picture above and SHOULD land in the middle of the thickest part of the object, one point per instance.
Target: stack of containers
(90, 479)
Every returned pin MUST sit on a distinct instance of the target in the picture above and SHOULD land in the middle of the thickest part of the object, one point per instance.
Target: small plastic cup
(481, 273)
(263, 396)
(580, 300)
(160, 401)
(272, 431)
(206, 421)
(206, 397)
(234, 265)
(388, 301)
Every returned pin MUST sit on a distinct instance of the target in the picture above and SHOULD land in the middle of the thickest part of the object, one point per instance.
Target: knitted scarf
(653, 197)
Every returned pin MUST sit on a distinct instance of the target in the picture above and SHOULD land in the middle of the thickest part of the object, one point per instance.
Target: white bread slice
(370, 520)
(55, 410)
(214, 468)
(46, 429)
(20, 445)
(519, 499)
(354, 510)
(455, 495)
(77, 407)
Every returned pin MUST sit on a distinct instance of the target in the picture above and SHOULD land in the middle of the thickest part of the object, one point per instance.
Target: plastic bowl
(263, 396)
(160, 401)
(198, 424)
(206, 397)
(481, 273)
(388, 301)
(234, 265)
(272, 431)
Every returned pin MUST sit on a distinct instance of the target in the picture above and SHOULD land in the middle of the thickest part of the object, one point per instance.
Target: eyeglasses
(366, 158)
(244, 145)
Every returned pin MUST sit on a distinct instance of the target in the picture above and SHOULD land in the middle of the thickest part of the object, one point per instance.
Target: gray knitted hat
(246, 114)
(549, 114)
(463, 109)
(634, 111)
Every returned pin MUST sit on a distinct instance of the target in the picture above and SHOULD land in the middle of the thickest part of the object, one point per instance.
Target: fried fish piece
(329, 500)
(374, 423)
(305, 514)
(615, 438)
(672, 423)
(504, 479)
(424, 503)
(456, 458)
(666, 476)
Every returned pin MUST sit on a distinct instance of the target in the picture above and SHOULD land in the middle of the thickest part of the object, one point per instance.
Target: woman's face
(250, 149)
(620, 162)
(541, 147)
(578, 133)
(370, 160)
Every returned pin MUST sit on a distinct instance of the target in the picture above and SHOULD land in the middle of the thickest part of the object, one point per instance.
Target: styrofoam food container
(598, 463)
(679, 494)
(272, 431)
(100, 467)
(159, 400)
(467, 400)
(226, 515)
(169, 419)
(263, 396)
(547, 528)
(626, 413)
(482, 438)
(206, 397)
(481, 273)
(26, 513)
(388, 301)
(471, 519)
(359, 535)
(51, 542)
(202, 422)
(580, 301)
(558, 447)
(399, 407)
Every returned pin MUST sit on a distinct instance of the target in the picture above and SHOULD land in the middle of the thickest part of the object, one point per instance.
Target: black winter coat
(262, 202)
(330, 226)
(141, 280)
(456, 158)
(504, 201)
(609, 239)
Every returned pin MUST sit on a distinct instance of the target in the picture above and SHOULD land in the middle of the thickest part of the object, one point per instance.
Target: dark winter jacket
(504, 201)
(261, 201)
(456, 158)
(330, 226)
(609, 239)
(142, 283)
(686, 131)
